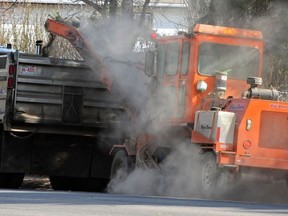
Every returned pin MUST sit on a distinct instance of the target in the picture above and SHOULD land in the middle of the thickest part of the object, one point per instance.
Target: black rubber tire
(78, 184)
(11, 180)
(60, 183)
(98, 184)
(122, 163)
(2, 180)
(206, 174)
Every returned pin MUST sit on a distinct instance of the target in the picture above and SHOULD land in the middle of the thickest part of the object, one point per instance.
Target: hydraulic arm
(93, 59)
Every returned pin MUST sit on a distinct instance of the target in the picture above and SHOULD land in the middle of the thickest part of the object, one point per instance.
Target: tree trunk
(143, 13)
(127, 9)
(113, 8)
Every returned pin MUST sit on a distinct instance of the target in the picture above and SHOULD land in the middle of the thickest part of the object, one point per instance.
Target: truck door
(173, 59)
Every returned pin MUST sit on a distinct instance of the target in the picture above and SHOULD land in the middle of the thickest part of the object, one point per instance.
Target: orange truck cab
(204, 76)
(187, 65)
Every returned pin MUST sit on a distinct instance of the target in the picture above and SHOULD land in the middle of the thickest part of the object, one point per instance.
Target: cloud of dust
(114, 41)
(174, 176)
(135, 86)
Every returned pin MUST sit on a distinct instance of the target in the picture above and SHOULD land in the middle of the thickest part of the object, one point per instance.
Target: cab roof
(227, 31)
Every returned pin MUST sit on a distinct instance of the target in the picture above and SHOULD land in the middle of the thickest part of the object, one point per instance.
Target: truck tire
(11, 180)
(121, 165)
(98, 184)
(78, 184)
(60, 183)
(205, 174)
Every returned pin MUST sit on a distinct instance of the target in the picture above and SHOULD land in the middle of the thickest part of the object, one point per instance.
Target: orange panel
(267, 135)
(273, 130)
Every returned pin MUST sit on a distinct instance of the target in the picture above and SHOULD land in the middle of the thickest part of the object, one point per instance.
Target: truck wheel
(98, 184)
(88, 184)
(120, 166)
(11, 180)
(60, 183)
(206, 175)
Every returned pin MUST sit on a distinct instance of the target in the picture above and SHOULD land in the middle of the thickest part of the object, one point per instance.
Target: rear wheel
(120, 165)
(11, 180)
(78, 184)
(60, 183)
(98, 184)
(120, 168)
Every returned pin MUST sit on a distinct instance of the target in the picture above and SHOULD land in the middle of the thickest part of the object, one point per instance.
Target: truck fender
(123, 147)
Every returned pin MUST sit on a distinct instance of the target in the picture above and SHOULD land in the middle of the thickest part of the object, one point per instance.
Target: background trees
(22, 22)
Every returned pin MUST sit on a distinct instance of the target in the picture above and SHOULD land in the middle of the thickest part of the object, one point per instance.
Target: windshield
(240, 62)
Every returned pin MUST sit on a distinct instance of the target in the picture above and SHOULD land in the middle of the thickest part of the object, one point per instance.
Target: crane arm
(94, 60)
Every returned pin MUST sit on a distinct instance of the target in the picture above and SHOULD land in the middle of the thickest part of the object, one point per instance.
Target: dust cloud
(122, 48)
(115, 41)
(173, 177)
(176, 177)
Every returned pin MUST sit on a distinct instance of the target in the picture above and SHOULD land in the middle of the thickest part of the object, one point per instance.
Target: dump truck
(52, 114)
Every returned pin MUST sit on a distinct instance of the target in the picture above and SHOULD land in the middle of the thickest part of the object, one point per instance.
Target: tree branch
(97, 7)
(143, 13)
(10, 7)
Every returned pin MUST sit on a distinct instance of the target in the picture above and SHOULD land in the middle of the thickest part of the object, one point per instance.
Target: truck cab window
(238, 61)
(185, 58)
(171, 58)
(160, 59)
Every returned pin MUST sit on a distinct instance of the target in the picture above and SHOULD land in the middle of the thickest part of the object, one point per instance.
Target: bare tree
(112, 8)
(117, 19)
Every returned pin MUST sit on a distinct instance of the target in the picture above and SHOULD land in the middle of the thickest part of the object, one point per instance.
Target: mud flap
(15, 153)
(58, 155)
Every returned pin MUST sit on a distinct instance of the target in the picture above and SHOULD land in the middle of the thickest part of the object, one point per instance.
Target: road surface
(44, 203)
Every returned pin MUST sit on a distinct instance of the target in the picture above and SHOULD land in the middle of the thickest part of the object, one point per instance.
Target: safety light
(10, 82)
(247, 144)
(11, 69)
(154, 35)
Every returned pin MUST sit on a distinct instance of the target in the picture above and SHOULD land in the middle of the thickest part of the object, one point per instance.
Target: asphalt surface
(44, 203)
(275, 194)
(36, 198)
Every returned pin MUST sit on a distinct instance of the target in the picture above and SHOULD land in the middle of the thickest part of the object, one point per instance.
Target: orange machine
(200, 99)
(236, 131)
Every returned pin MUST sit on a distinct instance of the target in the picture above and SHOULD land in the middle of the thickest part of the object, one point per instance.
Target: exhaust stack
(39, 47)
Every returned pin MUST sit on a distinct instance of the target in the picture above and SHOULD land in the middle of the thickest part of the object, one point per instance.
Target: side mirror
(149, 63)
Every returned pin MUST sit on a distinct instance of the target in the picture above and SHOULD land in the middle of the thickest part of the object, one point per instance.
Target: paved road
(42, 203)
